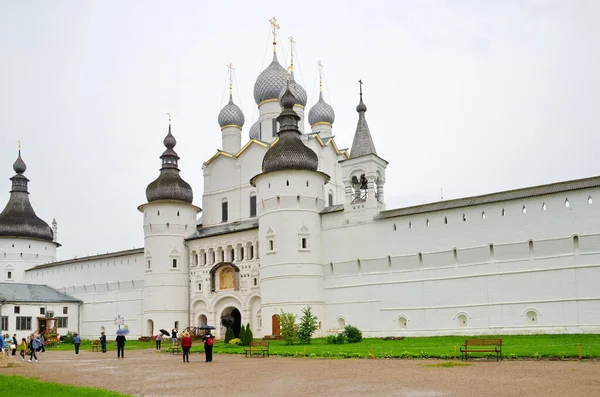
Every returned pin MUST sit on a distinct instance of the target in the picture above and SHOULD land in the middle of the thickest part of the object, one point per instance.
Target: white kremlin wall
(535, 269)
(109, 285)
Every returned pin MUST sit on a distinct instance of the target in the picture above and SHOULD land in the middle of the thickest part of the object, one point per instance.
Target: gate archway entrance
(237, 316)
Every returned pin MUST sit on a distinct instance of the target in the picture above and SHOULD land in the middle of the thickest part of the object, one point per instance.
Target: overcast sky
(469, 96)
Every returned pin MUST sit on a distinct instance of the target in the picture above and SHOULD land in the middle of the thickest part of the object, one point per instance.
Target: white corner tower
(169, 217)
(231, 120)
(25, 239)
(290, 196)
(363, 174)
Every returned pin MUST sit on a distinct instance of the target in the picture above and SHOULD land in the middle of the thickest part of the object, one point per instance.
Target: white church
(288, 220)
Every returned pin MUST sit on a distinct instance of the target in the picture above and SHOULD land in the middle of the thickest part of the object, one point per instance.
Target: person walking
(158, 339)
(33, 347)
(103, 341)
(209, 341)
(186, 345)
(42, 339)
(120, 346)
(15, 344)
(23, 348)
(76, 342)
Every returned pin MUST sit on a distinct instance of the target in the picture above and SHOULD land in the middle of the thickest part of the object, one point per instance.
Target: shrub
(249, 336)
(235, 341)
(308, 325)
(405, 354)
(356, 355)
(386, 354)
(289, 328)
(312, 355)
(242, 336)
(342, 355)
(228, 335)
(68, 338)
(353, 334)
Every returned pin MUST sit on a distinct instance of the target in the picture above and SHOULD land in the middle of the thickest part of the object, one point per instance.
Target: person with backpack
(209, 341)
(158, 339)
(34, 345)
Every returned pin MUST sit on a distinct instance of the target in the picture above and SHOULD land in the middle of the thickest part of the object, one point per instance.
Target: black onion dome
(290, 153)
(297, 91)
(270, 83)
(321, 112)
(169, 185)
(231, 114)
(18, 218)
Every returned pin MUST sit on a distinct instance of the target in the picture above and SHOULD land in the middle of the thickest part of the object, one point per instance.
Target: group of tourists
(9, 346)
(186, 343)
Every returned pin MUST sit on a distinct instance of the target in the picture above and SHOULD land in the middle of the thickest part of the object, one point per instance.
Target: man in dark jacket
(208, 340)
(120, 345)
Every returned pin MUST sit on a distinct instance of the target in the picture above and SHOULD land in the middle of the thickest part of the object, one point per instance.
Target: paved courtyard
(147, 373)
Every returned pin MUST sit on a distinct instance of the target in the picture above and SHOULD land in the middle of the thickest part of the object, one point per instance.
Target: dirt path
(147, 373)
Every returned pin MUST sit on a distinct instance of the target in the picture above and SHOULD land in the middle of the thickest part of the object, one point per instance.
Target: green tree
(243, 335)
(308, 325)
(249, 336)
(289, 328)
(228, 335)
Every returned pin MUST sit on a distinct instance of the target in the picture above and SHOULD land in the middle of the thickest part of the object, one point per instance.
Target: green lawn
(19, 386)
(514, 346)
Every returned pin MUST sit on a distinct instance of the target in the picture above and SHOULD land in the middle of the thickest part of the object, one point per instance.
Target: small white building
(289, 220)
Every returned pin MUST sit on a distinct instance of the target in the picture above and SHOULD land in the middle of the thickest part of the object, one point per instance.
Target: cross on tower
(361, 83)
(231, 69)
(275, 27)
(19, 142)
(292, 42)
(169, 115)
(320, 76)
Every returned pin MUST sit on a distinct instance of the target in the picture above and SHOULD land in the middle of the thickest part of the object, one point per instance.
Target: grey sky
(472, 96)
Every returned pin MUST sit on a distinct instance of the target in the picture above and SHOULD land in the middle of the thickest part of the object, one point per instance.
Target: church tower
(321, 115)
(231, 120)
(290, 196)
(363, 174)
(268, 90)
(169, 217)
(25, 239)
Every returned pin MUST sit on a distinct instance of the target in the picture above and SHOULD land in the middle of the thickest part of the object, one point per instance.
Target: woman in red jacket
(186, 345)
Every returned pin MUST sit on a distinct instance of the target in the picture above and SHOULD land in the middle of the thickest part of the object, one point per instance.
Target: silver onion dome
(321, 112)
(255, 131)
(231, 115)
(297, 91)
(169, 185)
(290, 153)
(270, 83)
(18, 219)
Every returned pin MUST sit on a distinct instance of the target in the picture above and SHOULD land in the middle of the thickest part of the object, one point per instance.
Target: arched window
(224, 210)
(590, 200)
(543, 206)
(567, 204)
(427, 223)
(462, 320)
(482, 214)
(524, 209)
(330, 202)
(252, 205)
(445, 220)
(464, 217)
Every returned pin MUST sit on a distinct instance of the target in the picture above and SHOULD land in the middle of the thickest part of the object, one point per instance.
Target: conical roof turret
(18, 218)
(363, 142)
(169, 185)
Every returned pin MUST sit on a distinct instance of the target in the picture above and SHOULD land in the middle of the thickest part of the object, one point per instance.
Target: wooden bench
(95, 345)
(175, 347)
(481, 346)
(258, 348)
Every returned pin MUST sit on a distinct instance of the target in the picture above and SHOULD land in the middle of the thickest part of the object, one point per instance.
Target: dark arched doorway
(275, 322)
(238, 322)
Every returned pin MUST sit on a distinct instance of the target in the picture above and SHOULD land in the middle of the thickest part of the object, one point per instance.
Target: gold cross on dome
(320, 76)
(19, 142)
(169, 114)
(361, 83)
(231, 69)
(292, 42)
(275, 27)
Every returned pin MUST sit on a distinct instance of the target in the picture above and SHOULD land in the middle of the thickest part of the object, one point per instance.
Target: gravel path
(147, 373)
